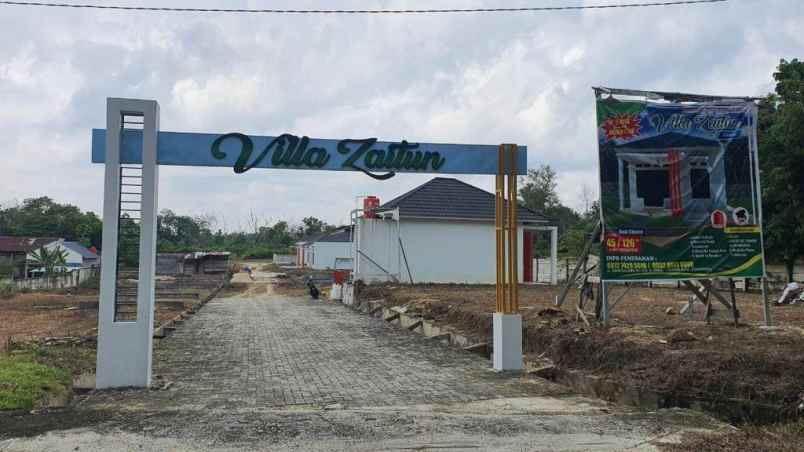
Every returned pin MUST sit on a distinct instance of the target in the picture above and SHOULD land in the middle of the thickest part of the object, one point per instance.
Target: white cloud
(482, 78)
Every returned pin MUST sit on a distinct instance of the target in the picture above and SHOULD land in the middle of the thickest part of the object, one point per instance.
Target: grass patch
(32, 375)
(26, 384)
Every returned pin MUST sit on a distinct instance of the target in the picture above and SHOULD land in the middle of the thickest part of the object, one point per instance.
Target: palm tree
(49, 259)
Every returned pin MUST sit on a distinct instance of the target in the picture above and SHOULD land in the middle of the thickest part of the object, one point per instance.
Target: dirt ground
(787, 437)
(645, 346)
(36, 315)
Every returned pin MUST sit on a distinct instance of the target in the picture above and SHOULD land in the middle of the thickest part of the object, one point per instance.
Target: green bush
(91, 283)
(258, 252)
(7, 270)
(7, 290)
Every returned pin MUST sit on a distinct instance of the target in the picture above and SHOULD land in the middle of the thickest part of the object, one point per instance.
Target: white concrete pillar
(554, 255)
(507, 341)
(686, 183)
(717, 178)
(637, 203)
(124, 348)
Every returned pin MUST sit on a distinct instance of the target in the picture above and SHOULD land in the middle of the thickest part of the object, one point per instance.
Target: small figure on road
(248, 270)
(312, 288)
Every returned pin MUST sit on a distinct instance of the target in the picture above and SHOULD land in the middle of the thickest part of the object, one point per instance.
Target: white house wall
(325, 253)
(72, 258)
(438, 252)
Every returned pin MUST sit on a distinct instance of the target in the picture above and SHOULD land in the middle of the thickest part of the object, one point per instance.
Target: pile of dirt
(683, 361)
(705, 363)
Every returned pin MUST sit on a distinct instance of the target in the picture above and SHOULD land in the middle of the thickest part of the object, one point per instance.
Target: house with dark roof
(14, 252)
(443, 232)
(326, 250)
(79, 256)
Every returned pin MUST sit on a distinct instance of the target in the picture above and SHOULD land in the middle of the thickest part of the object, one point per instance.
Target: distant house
(442, 232)
(332, 250)
(195, 263)
(304, 251)
(77, 255)
(14, 252)
(326, 250)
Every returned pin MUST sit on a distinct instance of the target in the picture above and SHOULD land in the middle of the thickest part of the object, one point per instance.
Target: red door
(527, 256)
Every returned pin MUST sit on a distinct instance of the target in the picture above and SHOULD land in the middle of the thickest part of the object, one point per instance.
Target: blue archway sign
(379, 159)
(131, 158)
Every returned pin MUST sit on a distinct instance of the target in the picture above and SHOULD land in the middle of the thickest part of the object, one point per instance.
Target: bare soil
(787, 437)
(36, 315)
(645, 347)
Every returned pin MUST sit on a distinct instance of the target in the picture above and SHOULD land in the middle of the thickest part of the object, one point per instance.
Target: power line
(360, 11)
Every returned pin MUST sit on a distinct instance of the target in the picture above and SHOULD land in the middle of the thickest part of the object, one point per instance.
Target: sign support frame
(506, 320)
(125, 347)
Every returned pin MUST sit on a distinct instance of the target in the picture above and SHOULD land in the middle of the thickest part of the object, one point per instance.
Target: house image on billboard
(672, 175)
(440, 232)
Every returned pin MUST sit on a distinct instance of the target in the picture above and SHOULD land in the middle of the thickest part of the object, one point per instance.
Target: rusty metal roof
(11, 244)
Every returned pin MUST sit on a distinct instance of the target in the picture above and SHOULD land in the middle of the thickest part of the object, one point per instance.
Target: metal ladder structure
(128, 244)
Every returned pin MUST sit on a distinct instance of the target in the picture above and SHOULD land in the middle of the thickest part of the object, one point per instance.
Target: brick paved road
(266, 372)
(276, 351)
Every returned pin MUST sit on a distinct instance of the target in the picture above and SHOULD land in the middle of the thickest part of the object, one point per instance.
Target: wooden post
(604, 303)
(499, 225)
(581, 258)
(513, 229)
(766, 302)
(506, 321)
(734, 310)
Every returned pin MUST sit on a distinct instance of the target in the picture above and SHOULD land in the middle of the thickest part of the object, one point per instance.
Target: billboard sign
(679, 190)
(379, 159)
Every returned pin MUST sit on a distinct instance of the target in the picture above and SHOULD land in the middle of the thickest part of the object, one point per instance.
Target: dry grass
(645, 347)
(36, 315)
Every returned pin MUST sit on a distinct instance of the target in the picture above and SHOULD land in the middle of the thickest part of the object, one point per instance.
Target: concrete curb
(428, 328)
(170, 326)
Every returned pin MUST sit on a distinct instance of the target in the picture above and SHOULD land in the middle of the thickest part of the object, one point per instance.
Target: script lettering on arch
(291, 151)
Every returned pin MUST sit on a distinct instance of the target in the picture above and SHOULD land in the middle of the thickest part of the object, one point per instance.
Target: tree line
(44, 217)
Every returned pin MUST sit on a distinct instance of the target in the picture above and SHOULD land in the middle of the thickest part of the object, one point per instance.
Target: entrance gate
(132, 148)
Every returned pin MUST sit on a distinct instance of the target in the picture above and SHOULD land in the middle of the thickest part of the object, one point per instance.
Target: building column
(124, 347)
(621, 182)
(637, 204)
(717, 178)
(554, 255)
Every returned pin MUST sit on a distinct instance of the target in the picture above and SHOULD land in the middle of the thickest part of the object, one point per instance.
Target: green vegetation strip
(25, 384)
(33, 375)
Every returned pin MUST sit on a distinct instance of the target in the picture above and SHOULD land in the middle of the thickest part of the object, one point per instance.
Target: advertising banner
(679, 190)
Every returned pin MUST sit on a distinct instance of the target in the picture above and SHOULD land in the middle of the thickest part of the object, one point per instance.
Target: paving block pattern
(275, 351)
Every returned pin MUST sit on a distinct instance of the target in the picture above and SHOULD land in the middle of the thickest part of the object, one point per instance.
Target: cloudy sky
(462, 78)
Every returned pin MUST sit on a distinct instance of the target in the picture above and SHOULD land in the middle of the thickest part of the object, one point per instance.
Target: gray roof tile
(448, 198)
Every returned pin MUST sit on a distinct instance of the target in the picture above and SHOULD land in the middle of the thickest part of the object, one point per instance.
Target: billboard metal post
(758, 184)
(604, 303)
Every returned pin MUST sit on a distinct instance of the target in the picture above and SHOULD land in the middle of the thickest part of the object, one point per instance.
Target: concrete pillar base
(348, 294)
(507, 342)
